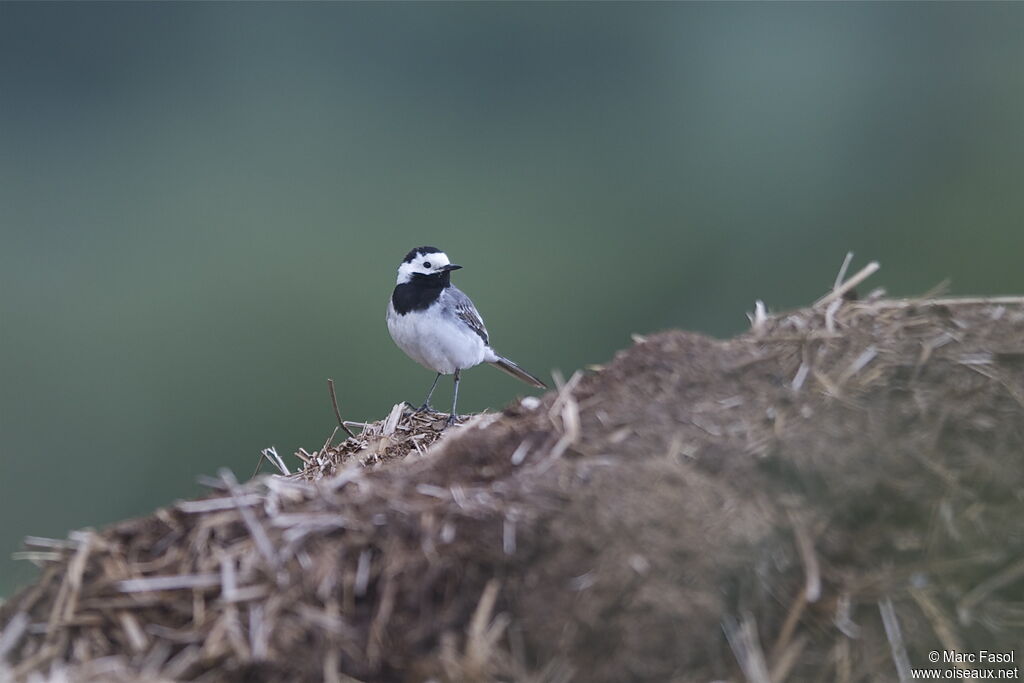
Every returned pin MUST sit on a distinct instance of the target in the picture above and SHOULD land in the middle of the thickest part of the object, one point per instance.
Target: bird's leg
(426, 404)
(455, 398)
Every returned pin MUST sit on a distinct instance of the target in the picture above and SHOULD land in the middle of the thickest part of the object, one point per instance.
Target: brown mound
(828, 497)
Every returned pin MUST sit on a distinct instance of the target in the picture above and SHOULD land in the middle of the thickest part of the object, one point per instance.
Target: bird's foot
(452, 419)
(425, 408)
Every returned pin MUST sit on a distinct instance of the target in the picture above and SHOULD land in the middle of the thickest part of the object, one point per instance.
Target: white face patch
(424, 264)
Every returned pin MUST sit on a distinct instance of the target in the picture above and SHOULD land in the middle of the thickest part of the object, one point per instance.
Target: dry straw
(827, 497)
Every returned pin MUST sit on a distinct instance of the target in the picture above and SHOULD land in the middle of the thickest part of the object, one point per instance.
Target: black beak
(450, 267)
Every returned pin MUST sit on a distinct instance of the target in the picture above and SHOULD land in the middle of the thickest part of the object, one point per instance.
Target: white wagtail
(438, 326)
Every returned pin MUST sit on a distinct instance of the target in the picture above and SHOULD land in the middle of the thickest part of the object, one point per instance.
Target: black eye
(426, 264)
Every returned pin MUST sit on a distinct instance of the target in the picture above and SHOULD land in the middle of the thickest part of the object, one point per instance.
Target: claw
(452, 419)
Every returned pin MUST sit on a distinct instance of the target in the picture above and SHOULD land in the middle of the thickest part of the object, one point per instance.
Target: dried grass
(828, 497)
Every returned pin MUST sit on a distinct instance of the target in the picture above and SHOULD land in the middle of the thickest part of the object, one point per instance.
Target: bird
(438, 326)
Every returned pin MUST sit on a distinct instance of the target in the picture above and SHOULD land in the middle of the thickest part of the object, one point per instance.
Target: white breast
(435, 340)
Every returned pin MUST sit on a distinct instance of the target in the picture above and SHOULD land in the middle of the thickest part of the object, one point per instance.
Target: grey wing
(467, 313)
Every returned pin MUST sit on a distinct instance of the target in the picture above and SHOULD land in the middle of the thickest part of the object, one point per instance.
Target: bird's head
(427, 265)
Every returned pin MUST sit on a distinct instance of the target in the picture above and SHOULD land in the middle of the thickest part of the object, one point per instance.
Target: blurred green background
(202, 206)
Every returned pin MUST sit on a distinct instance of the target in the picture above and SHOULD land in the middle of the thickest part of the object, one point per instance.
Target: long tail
(505, 365)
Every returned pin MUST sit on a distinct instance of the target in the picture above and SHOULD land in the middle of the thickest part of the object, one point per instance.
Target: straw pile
(830, 496)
